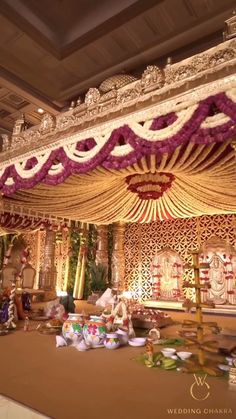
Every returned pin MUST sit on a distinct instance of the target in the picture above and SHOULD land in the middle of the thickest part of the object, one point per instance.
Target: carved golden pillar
(102, 245)
(48, 274)
(118, 256)
(81, 263)
(62, 258)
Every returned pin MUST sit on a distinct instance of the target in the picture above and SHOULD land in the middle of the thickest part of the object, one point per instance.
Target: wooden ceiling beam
(185, 41)
(7, 107)
(30, 94)
(108, 26)
(26, 26)
(55, 46)
(6, 125)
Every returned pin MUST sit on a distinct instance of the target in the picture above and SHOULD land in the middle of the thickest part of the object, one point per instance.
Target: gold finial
(233, 145)
(168, 61)
(79, 101)
(20, 125)
(230, 27)
(72, 105)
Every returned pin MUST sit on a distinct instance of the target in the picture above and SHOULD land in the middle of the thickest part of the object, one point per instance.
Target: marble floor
(9, 409)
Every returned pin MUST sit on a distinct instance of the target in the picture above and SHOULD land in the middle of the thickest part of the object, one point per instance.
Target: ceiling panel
(25, 47)
(42, 65)
(9, 32)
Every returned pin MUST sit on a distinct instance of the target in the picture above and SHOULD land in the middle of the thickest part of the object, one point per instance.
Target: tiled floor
(13, 410)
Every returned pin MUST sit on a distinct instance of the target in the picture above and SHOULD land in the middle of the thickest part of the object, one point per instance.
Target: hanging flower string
(24, 259)
(10, 322)
(156, 281)
(7, 255)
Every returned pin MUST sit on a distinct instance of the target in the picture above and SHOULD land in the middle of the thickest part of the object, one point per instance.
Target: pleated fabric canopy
(171, 159)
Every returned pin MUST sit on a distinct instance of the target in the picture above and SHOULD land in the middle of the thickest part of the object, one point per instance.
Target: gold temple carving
(123, 94)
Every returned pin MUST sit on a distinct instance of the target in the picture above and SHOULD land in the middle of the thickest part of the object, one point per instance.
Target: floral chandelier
(150, 185)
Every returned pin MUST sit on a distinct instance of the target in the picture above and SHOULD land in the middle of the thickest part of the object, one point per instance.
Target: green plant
(73, 259)
(110, 251)
(91, 254)
(98, 277)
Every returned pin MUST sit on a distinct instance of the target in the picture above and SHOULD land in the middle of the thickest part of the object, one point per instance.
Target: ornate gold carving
(152, 76)
(221, 57)
(6, 142)
(200, 62)
(16, 142)
(205, 61)
(116, 82)
(31, 136)
(64, 121)
(173, 74)
(47, 124)
(35, 242)
(127, 95)
(17, 139)
(118, 257)
(143, 241)
(92, 97)
(81, 263)
(109, 96)
(19, 126)
(123, 93)
(48, 272)
(72, 106)
(62, 259)
(102, 245)
(230, 27)
(233, 145)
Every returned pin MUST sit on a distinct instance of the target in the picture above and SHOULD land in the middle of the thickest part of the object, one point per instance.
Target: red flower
(92, 329)
(126, 322)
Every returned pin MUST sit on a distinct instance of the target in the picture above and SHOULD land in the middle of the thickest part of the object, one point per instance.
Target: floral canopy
(161, 147)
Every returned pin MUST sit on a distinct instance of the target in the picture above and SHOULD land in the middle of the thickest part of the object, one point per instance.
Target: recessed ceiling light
(40, 110)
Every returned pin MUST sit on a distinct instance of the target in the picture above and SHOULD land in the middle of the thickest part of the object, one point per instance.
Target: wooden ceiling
(54, 51)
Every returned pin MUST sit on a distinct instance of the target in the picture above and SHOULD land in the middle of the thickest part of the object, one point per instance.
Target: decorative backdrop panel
(143, 241)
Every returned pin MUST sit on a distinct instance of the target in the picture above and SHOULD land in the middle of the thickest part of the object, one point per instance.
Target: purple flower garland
(190, 131)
